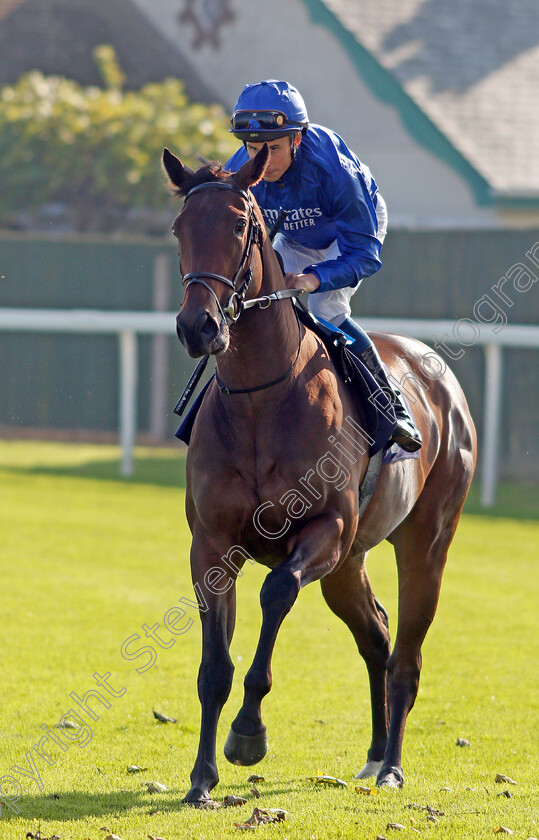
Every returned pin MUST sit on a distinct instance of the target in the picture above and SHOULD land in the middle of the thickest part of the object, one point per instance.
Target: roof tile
(472, 66)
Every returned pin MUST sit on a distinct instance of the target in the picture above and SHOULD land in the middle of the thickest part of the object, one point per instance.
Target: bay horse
(264, 483)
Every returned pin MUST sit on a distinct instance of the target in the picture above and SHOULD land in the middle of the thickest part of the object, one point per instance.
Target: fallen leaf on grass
(134, 768)
(395, 827)
(163, 718)
(66, 724)
(433, 812)
(155, 787)
(366, 790)
(276, 814)
(501, 778)
(505, 793)
(232, 801)
(255, 778)
(255, 793)
(113, 837)
(261, 816)
(39, 836)
(503, 830)
(154, 837)
(462, 742)
(327, 780)
(379, 837)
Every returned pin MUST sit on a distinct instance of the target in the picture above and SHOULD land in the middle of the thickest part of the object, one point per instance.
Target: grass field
(88, 558)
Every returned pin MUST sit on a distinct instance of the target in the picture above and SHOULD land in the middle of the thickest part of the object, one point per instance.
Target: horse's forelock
(210, 172)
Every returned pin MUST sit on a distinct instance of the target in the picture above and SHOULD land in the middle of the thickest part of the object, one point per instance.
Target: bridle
(236, 303)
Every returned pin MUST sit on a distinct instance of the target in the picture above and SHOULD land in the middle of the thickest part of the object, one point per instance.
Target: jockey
(337, 219)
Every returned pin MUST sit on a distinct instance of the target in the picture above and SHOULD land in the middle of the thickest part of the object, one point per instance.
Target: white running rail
(128, 325)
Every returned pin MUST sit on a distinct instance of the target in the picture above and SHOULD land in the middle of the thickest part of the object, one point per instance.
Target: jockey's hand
(307, 282)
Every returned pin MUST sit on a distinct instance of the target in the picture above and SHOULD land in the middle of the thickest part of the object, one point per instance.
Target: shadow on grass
(76, 805)
(159, 471)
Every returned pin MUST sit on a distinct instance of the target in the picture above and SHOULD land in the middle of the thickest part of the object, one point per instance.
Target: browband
(219, 185)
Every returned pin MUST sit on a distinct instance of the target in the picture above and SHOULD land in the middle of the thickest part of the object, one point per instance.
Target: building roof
(472, 66)
(58, 38)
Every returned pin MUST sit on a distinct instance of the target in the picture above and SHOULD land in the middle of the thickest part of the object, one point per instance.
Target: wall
(71, 381)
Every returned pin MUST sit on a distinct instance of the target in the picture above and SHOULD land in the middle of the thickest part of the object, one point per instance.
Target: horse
(264, 485)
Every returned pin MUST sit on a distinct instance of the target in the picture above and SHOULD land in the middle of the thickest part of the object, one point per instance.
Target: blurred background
(438, 99)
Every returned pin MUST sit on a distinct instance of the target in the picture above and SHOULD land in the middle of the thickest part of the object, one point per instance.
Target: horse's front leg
(217, 601)
(315, 552)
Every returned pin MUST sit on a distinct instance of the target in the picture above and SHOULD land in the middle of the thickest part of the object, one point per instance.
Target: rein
(194, 379)
(237, 303)
(225, 390)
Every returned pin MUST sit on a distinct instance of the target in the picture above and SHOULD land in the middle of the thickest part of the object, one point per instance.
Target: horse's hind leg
(421, 546)
(348, 593)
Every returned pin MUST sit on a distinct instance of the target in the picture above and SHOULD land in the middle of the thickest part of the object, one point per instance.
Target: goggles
(262, 121)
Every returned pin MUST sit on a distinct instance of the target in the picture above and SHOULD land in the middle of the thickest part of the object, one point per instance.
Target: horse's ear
(253, 171)
(176, 171)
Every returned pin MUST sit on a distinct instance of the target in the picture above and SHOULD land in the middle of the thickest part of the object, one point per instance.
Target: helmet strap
(294, 147)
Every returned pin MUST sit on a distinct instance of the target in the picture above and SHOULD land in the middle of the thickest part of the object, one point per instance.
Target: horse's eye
(240, 226)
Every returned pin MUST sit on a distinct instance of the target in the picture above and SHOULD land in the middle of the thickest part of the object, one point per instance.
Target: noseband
(233, 309)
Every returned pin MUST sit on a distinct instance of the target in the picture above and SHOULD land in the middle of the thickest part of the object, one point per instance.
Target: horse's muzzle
(201, 335)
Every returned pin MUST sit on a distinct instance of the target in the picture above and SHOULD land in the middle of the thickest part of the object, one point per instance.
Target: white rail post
(158, 393)
(128, 398)
(491, 423)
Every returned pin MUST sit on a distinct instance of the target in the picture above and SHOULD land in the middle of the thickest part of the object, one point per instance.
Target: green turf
(87, 558)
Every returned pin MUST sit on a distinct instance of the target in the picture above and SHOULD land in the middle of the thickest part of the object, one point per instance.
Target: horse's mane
(209, 172)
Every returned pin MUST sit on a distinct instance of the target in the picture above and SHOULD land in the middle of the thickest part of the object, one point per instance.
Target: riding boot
(406, 433)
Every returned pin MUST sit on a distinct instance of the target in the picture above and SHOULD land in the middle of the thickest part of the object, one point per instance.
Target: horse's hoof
(371, 769)
(390, 777)
(245, 749)
(196, 799)
(199, 797)
(208, 804)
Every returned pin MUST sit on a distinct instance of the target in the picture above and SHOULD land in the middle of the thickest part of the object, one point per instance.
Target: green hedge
(97, 150)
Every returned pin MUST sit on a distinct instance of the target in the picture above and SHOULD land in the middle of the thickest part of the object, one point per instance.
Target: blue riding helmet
(267, 110)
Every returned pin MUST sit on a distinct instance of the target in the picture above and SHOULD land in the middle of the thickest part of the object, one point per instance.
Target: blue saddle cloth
(380, 420)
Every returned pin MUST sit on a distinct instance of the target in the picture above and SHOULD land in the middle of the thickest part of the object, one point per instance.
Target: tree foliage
(98, 150)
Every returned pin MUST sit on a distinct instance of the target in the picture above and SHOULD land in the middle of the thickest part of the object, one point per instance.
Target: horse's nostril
(207, 327)
(179, 329)
(196, 331)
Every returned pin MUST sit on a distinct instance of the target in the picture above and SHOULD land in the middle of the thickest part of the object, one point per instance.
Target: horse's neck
(263, 342)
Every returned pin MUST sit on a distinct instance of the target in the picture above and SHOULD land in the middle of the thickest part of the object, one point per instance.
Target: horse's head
(220, 233)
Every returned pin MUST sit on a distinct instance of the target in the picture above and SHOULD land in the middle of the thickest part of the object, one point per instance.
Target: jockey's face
(280, 155)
